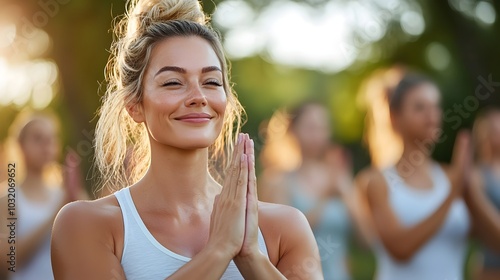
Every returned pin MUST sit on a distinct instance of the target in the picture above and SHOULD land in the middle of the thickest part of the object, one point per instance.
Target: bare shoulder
(276, 215)
(374, 181)
(365, 176)
(87, 220)
(283, 227)
(105, 209)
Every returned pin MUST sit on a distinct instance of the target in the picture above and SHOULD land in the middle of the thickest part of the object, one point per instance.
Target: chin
(191, 142)
(429, 136)
(195, 144)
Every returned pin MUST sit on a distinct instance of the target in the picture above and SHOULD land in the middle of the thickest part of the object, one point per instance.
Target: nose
(196, 97)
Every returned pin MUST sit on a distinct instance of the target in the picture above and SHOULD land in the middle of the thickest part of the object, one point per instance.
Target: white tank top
(144, 257)
(443, 256)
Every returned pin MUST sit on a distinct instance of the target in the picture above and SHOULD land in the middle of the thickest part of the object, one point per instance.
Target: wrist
(256, 266)
(219, 252)
(254, 258)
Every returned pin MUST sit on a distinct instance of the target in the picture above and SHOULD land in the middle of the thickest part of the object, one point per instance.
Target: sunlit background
(340, 52)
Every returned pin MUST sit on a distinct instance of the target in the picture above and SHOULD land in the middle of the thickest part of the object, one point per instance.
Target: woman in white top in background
(36, 199)
(417, 207)
(170, 100)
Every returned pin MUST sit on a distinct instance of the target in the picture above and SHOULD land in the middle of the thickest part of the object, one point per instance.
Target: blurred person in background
(38, 196)
(304, 169)
(417, 204)
(486, 178)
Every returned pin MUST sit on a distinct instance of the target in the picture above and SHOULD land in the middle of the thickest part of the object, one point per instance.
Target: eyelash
(211, 82)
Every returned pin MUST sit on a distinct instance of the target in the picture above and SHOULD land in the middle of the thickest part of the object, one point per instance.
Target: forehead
(40, 126)
(191, 53)
(424, 92)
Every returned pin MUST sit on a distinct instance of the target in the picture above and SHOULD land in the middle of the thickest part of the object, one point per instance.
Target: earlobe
(135, 111)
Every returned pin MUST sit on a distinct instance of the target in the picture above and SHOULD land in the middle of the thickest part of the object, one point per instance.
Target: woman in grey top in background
(319, 187)
(487, 137)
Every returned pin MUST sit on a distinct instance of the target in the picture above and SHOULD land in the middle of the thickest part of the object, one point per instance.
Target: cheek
(31, 151)
(218, 103)
(158, 108)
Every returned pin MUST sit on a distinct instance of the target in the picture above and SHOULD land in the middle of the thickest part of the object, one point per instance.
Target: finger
(252, 221)
(252, 178)
(235, 158)
(241, 189)
(461, 151)
(233, 171)
(248, 145)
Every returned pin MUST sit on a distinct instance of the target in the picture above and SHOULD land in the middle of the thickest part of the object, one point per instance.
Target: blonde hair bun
(143, 13)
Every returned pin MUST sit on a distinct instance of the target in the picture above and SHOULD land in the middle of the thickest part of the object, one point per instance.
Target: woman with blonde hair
(170, 99)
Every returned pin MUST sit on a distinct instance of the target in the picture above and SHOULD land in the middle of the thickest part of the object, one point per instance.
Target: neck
(33, 180)
(309, 162)
(179, 177)
(415, 156)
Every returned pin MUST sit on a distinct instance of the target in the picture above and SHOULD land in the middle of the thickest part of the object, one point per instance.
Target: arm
(485, 218)
(359, 210)
(400, 241)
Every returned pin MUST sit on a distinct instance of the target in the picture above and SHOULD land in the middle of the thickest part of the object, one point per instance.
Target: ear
(135, 110)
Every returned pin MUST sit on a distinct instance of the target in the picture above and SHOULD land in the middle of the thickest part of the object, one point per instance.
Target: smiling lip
(194, 118)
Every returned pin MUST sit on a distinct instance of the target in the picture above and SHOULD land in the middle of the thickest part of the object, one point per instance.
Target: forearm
(208, 264)
(361, 217)
(258, 267)
(406, 241)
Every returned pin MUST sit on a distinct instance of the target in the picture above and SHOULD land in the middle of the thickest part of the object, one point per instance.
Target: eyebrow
(184, 71)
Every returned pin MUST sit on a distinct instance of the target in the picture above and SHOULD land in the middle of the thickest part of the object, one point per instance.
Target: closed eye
(213, 82)
(171, 83)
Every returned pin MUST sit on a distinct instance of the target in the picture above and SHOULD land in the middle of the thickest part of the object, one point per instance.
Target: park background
(53, 54)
